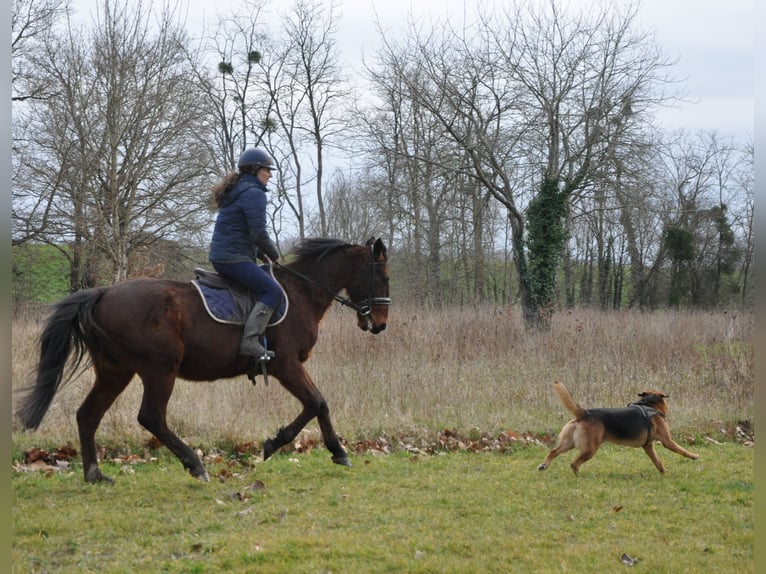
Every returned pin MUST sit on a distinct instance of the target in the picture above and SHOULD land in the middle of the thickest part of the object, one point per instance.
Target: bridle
(363, 307)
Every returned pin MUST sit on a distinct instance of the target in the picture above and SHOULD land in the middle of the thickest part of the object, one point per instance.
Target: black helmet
(255, 157)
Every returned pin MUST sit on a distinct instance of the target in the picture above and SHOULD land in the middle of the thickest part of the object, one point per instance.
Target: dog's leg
(585, 455)
(553, 453)
(677, 448)
(564, 443)
(670, 444)
(588, 438)
(662, 432)
(649, 450)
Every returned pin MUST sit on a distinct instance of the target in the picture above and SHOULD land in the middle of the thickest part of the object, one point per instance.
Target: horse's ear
(370, 241)
(379, 250)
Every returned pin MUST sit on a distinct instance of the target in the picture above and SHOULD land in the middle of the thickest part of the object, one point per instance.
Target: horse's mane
(315, 248)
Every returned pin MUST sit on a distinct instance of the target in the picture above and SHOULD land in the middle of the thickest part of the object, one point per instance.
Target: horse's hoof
(343, 460)
(199, 471)
(268, 448)
(93, 475)
(96, 478)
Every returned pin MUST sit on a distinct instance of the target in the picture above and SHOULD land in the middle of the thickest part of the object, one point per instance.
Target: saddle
(228, 301)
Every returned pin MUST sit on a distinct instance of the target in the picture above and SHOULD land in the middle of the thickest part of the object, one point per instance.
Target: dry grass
(471, 368)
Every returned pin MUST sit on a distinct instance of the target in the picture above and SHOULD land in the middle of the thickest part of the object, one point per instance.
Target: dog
(637, 425)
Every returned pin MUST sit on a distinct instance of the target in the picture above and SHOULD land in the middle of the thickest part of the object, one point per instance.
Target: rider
(240, 237)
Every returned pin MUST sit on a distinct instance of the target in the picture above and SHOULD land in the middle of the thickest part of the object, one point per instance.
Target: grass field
(462, 401)
(458, 512)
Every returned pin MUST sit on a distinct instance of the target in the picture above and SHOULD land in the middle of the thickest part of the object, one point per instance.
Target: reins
(364, 308)
(284, 296)
(340, 299)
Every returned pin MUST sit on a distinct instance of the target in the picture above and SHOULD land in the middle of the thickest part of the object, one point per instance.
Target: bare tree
(308, 97)
(423, 197)
(31, 23)
(31, 20)
(279, 90)
(350, 212)
(236, 98)
(535, 99)
(117, 165)
(744, 218)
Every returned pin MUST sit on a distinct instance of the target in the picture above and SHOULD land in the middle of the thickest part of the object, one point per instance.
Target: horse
(160, 330)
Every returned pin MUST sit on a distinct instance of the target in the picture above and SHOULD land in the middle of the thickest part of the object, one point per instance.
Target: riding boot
(254, 328)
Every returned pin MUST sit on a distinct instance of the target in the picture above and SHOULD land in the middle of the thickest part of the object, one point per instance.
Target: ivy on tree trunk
(546, 238)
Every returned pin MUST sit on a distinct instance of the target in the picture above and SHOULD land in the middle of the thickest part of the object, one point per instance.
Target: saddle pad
(223, 307)
(220, 305)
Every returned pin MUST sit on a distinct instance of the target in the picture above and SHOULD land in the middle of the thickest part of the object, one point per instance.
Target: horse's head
(370, 292)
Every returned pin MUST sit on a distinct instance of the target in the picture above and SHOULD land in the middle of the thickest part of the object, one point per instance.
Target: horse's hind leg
(110, 382)
(153, 417)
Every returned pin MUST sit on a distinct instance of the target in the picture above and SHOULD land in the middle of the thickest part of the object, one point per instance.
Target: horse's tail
(71, 323)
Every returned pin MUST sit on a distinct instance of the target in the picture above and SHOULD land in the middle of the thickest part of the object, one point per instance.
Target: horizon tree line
(512, 159)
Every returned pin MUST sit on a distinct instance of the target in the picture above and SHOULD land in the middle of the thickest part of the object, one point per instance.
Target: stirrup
(257, 366)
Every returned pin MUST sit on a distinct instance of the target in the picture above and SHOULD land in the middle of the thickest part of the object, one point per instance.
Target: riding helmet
(255, 157)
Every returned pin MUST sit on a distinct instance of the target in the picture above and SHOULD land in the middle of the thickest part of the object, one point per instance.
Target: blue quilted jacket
(240, 232)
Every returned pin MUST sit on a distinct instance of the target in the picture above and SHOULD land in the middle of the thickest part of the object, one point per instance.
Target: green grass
(40, 273)
(454, 512)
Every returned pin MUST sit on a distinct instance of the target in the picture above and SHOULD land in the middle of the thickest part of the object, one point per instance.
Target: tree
(30, 22)
(700, 173)
(313, 68)
(744, 220)
(236, 101)
(281, 91)
(425, 192)
(535, 101)
(116, 162)
(350, 212)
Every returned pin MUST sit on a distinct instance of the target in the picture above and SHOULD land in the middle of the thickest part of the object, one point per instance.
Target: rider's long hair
(220, 189)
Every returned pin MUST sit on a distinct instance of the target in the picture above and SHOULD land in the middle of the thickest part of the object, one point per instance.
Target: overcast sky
(712, 41)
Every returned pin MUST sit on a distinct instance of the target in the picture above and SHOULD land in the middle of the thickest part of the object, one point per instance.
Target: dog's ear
(654, 394)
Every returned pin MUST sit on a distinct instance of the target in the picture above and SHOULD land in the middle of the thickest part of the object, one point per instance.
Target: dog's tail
(566, 399)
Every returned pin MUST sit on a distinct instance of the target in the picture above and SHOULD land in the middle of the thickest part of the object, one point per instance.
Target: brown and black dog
(638, 424)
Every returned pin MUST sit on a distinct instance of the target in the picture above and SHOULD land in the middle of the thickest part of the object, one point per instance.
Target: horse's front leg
(302, 387)
(331, 440)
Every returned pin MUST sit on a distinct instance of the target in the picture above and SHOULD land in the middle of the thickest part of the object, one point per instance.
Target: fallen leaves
(38, 460)
(449, 440)
(418, 444)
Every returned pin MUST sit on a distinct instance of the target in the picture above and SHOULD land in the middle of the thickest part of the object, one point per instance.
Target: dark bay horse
(160, 330)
